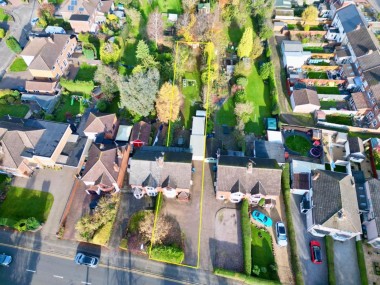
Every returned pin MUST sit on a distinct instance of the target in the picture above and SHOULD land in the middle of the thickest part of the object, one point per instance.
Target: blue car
(260, 217)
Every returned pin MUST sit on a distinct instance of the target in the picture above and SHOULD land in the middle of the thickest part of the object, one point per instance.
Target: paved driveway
(57, 182)
(346, 263)
(313, 274)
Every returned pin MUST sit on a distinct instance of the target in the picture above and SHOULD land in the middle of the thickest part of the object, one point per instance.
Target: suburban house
(241, 178)
(300, 175)
(198, 136)
(101, 127)
(85, 15)
(293, 54)
(30, 144)
(153, 171)
(334, 209)
(104, 170)
(304, 101)
(372, 219)
(47, 57)
(41, 87)
(140, 134)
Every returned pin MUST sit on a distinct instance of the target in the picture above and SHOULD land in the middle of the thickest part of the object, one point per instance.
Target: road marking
(57, 276)
(34, 271)
(88, 283)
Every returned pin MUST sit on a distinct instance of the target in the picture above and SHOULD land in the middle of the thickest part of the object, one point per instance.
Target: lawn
(3, 16)
(17, 110)
(262, 253)
(314, 49)
(22, 203)
(225, 115)
(327, 90)
(361, 262)
(170, 6)
(326, 105)
(18, 65)
(330, 259)
(86, 72)
(65, 107)
(298, 144)
(317, 75)
(191, 96)
(258, 94)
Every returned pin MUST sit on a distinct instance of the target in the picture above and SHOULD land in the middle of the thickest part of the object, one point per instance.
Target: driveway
(346, 263)
(13, 79)
(57, 182)
(313, 274)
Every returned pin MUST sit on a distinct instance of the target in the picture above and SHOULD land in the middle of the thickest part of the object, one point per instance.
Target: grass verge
(361, 262)
(17, 110)
(18, 65)
(330, 259)
(247, 237)
(243, 278)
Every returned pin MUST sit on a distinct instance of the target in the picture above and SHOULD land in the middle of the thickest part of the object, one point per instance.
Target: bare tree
(162, 228)
(155, 26)
(189, 5)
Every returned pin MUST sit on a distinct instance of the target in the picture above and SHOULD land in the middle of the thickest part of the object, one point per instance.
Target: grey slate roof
(175, 170)
(369, 61)
(342, 51)
(305, 96)
(360, 190)
(232, 171)
(335, 193)
(361, 41)
(355, 144)
(350, 18)
(374, 192)
(372, 76)
(265, 149)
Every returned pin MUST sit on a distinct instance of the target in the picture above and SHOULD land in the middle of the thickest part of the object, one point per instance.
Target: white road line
(34, 271)
(88, 283)
(57, 276)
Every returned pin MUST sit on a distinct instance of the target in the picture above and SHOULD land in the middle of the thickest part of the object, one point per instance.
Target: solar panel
(81, 9)
(74, 2)
(71, 8)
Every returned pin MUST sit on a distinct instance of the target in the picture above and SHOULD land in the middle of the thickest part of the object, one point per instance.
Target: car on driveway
(34, 21)
(282, 240)
(3, 3)
(260, 217)
(83, 259)
(5, 260)
(315, 251)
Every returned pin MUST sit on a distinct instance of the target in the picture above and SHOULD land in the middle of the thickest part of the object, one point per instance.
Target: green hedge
(85, 87)
(361, 263)
(330, 259)
(246, 235)
(13, 45)
(294, 258)
(339, 119)
(243, 278)
(167, 253)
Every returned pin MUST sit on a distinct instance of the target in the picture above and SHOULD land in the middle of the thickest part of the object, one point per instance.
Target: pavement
(313, 274)
(346, 263)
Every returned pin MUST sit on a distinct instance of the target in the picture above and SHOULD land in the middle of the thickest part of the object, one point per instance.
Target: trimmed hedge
(243, 278)
(330, 259)
(167, 253)
(85, 87)
(340, 119)
(13, 45)
(361, 262)
(294, 258)
(246, 236)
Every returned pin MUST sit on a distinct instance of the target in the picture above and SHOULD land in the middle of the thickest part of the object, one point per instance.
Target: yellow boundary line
(203, 163)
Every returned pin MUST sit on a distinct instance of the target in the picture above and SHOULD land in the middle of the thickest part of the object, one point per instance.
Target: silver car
(90, 261)
(5, 260)
(282, 240)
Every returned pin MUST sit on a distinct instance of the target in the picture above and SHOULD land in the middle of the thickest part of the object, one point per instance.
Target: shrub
(2, 33)
(262, 202)
(243, 278)
(32, 224)
(101, 105)
(246, 235)
(3, 101)
(240, 96)
(49, 117)
(84, 37)
(268, 52)
(242, 81)
(21, 225)
(103, 235)
(13, 45)
(169, 253)
(306, 28)
(11, 99)
(305, 40)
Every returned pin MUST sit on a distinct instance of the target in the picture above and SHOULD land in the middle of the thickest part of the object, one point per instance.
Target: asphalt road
(35, 268)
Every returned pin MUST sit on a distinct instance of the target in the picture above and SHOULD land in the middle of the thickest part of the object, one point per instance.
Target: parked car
(34, 21)
(5, 260)
(315, 251)
(3, 3)
(260, 217)
(282, 240)
(83, 259)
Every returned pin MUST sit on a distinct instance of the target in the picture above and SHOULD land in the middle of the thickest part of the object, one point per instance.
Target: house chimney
(341, 215)
(357, 27)
(315, 177)
(101, 146)
(160, 160)
(249, 167)
(50, 39)
(119, 152)
(116, 167)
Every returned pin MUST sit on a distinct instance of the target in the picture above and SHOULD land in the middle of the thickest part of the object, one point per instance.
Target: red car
(315, 250)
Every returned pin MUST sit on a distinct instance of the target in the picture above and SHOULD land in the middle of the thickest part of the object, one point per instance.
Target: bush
(305, 40)
(32, 224)
(103, 234)
(246, 236)
(21, 225)
(240, 96)
(340, 119)
(11, 100)
(3, 101)
(49, 117)
(268, 52)
(242, 81)
(306, 28)
(2, 33)
(101, 105)
(361, 262)
(169, 253)
(13, 45)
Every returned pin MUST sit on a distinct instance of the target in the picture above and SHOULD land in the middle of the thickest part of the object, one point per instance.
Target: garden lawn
(314, 49)
(317, 75)
(170, 6)
(22, 203)
(257, 93)
(340, 119)
(326, 105)
(86, 72)
(298, 144)
(16, 110)
(191, 96)
(65, 107)
(18, 65)
(327, 90)
(3, 16)
(262, 253)
(226, 115)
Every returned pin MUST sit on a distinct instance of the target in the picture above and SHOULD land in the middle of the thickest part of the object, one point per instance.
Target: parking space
(345, 253)
(313, 274)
